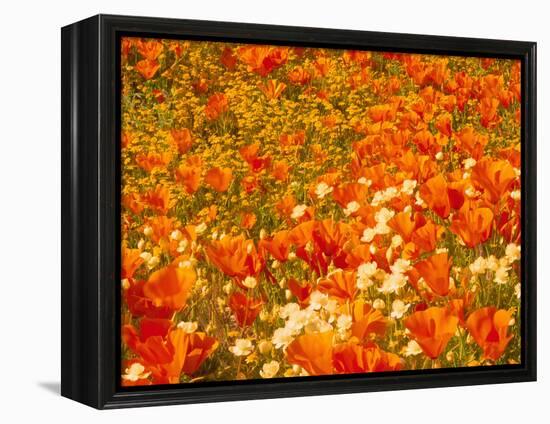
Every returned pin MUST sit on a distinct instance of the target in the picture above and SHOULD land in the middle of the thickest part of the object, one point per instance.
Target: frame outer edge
(89, 152)
(80, 312)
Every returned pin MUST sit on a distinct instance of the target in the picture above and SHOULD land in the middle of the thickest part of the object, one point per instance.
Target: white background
(30, 210)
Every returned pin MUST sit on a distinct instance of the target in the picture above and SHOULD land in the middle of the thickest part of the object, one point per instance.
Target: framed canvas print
(254, 211)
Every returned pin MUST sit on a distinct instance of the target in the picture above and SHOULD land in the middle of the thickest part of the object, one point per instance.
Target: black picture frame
(91, 211)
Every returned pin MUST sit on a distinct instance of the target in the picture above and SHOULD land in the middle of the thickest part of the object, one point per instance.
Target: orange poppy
(168, 356)
(350, 192)
(234, 256)
(444, 125)
(330, 235)
(473, 224)
(130, 262)
(380, 113)
(427, 236)
(250, 155)
(295, 139)
(248, 219)
(489, 328)
(434, 193)
(278, 245)
(494, 176)
(140, 305)
(488, 109)
(159, 199)
(245, 308)
(183, 139)
(300, 290)
(147, 68)
(299, 75)
(352, 357)
(471, 141)
(313, 352)
(262, 59)
(189, 176)
(272, 88)
(228, 59)
(153, 160)
(216, 105)
(432, 329)
(162, 226)
(367, 321)
(219, 178)
(280, 170)
(435, 271)
(285, 206)
(149, 49)
(198, 346)
(170, 286)
(341, 285)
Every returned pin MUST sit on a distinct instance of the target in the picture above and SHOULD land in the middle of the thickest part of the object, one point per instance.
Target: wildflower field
(300, 211)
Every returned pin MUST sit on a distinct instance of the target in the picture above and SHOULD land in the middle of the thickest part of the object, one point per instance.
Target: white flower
(344, 322)
(377, 198)
(367, 269)
(317, 300)
(265, 347)
(368, 235)
(400, 266)
(182, 245)
(176, 235)
(298, 211)
(412, 349)
(364, 181)
(201, 228)
(322, 189)
(501, 275)
(188, 326)
(250, 282)
(148, 231)
(269, 369)
(243, 347)
(408, 187)
(288, 310)
(392, 283)
(282, 337)
(378, 304)
(513, 252)
(383, 215)
(515, 195)
(351, 207)
(153, 262)
(399, 308)
(381, 228)
(364, 274)
(492, 263)
(317, 325)
(146, 256)
(517, 290)
(135, 372)
(396, 241)
(186, 264)
(479, 266)
(469, 163)
(439, 155)
(297, 320)
(140, 244)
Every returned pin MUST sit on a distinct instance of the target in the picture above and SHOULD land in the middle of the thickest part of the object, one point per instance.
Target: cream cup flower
(269, 369)
(243, 347)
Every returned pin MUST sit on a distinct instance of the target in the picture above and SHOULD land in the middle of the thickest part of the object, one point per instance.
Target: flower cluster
(291, 211)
